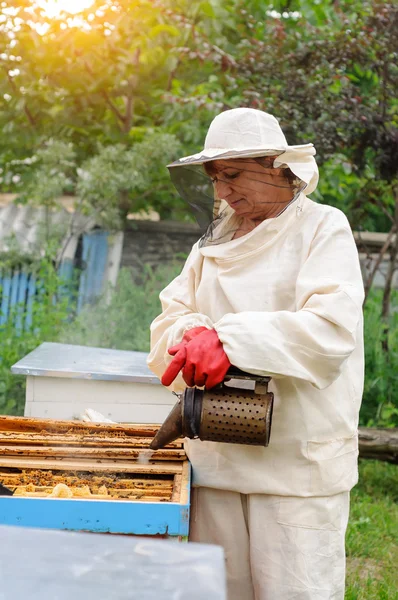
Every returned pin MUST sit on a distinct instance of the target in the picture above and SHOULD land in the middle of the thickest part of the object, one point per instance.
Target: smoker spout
(170, 430)
(5, 491)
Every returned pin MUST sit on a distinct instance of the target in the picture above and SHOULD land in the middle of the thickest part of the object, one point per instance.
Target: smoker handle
(234, 372)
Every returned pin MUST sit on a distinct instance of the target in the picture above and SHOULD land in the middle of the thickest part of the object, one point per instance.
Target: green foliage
(380, 402)
(326, 69)
(378, 480)
(360, 195)
(81, 108)
(49, 313)
(119, 180)
(52, 174)
(11, 257)
(90, 78)
(122, 319)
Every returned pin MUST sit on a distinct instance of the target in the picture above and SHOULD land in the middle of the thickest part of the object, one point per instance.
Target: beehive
(95, 477)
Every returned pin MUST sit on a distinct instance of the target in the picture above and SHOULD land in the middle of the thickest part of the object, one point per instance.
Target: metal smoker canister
(234, 415)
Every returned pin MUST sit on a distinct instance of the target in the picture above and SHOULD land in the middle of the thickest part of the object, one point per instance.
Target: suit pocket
(311, 513)
(333, 465)
(315, 527)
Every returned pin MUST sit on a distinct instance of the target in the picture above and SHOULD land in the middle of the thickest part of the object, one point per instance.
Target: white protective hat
(250, 133)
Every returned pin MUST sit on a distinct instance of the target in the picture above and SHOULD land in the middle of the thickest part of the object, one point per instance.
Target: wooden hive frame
(66, 450)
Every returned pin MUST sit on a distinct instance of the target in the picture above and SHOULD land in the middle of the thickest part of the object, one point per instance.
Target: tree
(328, 71)
(89, 77)
(124, 67)
(93, 82)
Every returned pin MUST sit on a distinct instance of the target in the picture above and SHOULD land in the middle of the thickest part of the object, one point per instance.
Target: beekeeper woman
(273, 287)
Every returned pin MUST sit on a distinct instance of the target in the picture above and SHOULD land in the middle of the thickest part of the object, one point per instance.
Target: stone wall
(156, 243)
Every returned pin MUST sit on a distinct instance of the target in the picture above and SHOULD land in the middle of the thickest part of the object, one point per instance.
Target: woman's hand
(174, 368)
(202, 360)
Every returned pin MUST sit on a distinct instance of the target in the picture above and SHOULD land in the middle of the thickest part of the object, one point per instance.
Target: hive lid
(85, 362)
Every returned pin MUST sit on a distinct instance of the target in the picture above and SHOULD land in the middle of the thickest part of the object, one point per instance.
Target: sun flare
(53, 8)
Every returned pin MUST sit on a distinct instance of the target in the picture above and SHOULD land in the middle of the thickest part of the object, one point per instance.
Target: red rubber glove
(173, 369)
(202, 360)
(191, 333)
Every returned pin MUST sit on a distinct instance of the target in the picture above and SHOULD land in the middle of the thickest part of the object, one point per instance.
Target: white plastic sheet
(55, 565)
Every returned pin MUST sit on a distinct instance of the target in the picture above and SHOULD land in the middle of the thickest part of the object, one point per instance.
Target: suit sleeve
(314, 342)
(179, 314)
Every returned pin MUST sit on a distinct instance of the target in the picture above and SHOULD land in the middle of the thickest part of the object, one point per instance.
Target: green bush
(49, 313)
(122, 321)
(380, 398)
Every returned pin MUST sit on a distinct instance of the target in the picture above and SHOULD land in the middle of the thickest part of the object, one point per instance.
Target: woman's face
(250, 188)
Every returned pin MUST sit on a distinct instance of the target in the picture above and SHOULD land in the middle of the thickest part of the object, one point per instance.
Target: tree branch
(29, 115)
(392, 267)
(129, 112)
(286, 6)
(104, 94)
(379, 444)
(128, 119)
(382, 252)
(189, 33)
(154, 189)
(113, 108)
(384, 210)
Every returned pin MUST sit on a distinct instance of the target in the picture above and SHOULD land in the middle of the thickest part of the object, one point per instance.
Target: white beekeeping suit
(285, 301)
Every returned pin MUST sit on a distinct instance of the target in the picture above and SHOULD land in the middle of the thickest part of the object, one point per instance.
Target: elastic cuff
(184, 324)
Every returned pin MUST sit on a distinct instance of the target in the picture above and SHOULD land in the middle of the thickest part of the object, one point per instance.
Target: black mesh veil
(196, 188)
(248, 184)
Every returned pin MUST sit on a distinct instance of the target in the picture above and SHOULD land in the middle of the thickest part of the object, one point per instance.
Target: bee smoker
(235, 415)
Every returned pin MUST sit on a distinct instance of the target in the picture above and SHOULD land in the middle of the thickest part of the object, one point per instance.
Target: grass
(372, 535)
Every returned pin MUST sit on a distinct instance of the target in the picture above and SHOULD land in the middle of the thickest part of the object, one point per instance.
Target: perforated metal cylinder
(236, 416)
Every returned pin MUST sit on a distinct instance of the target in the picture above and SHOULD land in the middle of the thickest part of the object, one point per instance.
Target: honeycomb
(39, 483)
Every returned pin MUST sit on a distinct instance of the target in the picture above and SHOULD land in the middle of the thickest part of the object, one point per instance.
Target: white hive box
(63, 380)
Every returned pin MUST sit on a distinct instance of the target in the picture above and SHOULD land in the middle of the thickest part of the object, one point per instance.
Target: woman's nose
(223, 189)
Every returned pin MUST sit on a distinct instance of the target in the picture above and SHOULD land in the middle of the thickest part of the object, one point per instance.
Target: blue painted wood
(99, 263)
(18, 289)
(5, 298)
(66, 270)
(29, 301)
(90, 242)
(83, 276)
(21, 299)
(94, 255)
(117, 516)
(14, 290)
